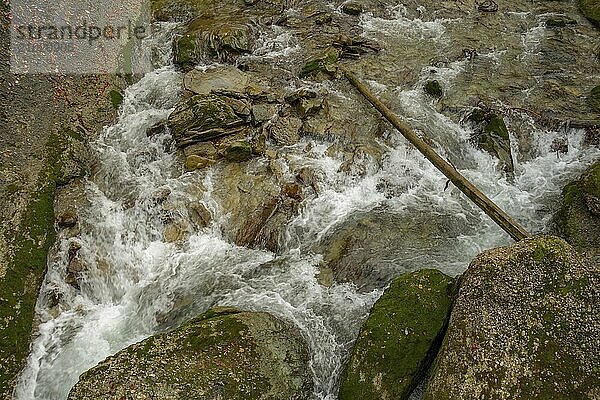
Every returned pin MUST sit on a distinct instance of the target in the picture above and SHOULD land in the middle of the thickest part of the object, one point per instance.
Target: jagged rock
(286, 130)
(202, 118)
(222, 78)
(223, 353)
(524, 326)
(400, 337)
(491, 135)
(194, 162)
(433, 88)
(578, 220)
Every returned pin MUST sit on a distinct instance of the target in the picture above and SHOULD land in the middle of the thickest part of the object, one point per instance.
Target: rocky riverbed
(246, 172)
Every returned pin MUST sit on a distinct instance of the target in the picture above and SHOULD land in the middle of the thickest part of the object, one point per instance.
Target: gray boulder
(524, 326)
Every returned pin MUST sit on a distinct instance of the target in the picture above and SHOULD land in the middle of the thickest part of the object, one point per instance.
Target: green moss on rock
(591, 10)
(19, 287)
(523, 326)
(324, 62)
(238, 151)
(594, 98)
(399, 339)
(223, 353)
(578, 220)
(185, 52)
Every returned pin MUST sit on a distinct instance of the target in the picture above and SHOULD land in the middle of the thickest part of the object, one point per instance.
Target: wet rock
(222, 78)
(591, 10)
(199, 214)
(222, 41)
(560, 22)
(491, 135)
(434, 89)
(203, 149)
(286, 130)
(578, 220)
(67, 219)
(593, 99)
(194, 162)
(263, 112)
(176, 232)
(323, 19)
(400, 337)
(202, 118)
(69, 201)
(238, 151)
(358, 250)
(325, 62)
(352, 7)
(524, 326)
(223, 353)
(156, 129)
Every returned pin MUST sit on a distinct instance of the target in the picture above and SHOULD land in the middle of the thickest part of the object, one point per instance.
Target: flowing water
(136, 284)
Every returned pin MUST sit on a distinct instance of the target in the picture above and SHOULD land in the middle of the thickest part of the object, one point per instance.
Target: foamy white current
(137, 284)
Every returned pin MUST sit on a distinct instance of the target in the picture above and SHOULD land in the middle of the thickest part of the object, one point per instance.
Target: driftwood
(516, 231)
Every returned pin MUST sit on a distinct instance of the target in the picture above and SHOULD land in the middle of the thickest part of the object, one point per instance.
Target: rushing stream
(137, 284)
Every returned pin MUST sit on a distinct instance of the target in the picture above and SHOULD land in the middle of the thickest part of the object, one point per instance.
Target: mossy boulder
(324, 62)
(524, 326)
(201, 118)
(578, 220)
(491, 135)
(433, 88)
(224, 353)
(400, 338)
(591, 10)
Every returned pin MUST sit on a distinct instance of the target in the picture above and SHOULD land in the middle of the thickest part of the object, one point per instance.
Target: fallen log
(510, 226)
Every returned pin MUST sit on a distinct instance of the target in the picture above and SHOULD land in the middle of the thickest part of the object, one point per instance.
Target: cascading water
(137, 284)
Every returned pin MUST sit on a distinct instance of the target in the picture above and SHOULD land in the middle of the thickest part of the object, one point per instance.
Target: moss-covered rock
(578, 220)
(591, 10)
(524, 326)
(202, 118)
(433, 88)
(399, 339)
(324, 62)
(593, 98)
(224, 353)
(491, 134)
(238, 151)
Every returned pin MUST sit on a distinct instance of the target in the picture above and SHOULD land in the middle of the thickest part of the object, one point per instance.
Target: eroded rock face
(524, 326)
(578, 220)
(223, 353)
(399, 339)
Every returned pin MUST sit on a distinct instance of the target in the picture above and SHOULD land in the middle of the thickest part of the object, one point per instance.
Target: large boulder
(223, 353)
(578, 220)
(525, 325)
(400, 338)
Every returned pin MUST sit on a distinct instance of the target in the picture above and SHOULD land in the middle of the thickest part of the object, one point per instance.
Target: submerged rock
(578, 220)
(524, 326)
(433, 88)
(224, 353)
(400, 338)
